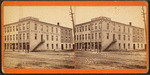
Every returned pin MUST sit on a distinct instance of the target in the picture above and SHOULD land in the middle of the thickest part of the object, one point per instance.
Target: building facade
(102, 33)
(31, 34)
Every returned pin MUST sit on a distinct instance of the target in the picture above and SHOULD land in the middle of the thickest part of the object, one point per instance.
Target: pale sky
(54, 14)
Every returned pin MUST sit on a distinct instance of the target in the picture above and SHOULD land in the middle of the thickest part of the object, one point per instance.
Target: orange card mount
(72, 3)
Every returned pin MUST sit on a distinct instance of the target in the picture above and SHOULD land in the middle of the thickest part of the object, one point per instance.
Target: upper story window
(99, 35)
(95, 35)
(10, 29)
(7, 37)
(23, 35)
(128, 30)
(100, 25)
(10, 37)
(82, 28)
(52, 37)
(20, 36)
(85, 28)
(107, 35)
(128, 37)
(118, 28)
(52, 29)
(107, 25)
(27, 25)
(47, 37)
(56, 38)
(124, 28)
(92, 36)
(7, 29)
(35, 26)
(77, 29)
(16, 27)
(95, 25)
(77, 37)
(56, 30)
(119, 36)
(88, 27)
(13, 28)
(124, 37)
(91, 26)
(114, 27)
(23, 26)
(82, 36)
(16, 36)
(19, 27)
(85, 36)
(27, 35)
(41, 27)
(47, 28)
(88, 36)
(66, 32)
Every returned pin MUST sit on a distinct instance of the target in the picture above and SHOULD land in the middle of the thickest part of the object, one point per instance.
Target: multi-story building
(102, 33)
(31, 34)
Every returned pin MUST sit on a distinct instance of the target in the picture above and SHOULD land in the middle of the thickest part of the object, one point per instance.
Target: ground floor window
(69, 45)
(89, 46)
(16, 45)
(52, 46)
(57, 46)
(128, 46)
(24, 46)
(92, 45)
(20, 46)
(82, 45)
(66, 45)
(47, 46)
(95, 45)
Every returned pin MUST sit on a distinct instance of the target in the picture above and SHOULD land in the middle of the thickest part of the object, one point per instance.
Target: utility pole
(143, 15)
(72, 17)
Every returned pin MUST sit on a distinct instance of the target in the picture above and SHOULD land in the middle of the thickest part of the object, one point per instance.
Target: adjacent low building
(31, 34)
(102, 33)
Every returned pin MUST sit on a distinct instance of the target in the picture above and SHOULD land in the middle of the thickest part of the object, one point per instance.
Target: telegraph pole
(72, 17)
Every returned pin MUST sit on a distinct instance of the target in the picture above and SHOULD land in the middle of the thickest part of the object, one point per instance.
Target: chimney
(58, 23)
(130, 23)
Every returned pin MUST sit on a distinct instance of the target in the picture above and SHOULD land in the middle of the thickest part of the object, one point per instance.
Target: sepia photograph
(71, 38)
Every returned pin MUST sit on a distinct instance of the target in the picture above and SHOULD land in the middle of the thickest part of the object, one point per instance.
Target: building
(31, 34)
(102, 33)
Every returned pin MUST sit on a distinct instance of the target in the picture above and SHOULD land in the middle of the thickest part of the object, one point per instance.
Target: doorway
(41, 37)
(133, 46)
(62, 47)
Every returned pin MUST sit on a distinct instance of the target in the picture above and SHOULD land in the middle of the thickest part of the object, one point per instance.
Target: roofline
(83, 23)
(36, 21)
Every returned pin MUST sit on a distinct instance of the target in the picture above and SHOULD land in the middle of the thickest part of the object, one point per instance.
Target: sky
(54, 14)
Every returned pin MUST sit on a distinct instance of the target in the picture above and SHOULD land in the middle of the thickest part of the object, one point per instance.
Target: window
(95, 25)
(83, 37)
(69, 45)
(128, 46)
(47, 28)
(66, 32)
(89, 27)
(20, 36)
(114, 27)
(47, 46)
(35, 26)
(56, 46)
(27, 35)
(141, 45)
(10, 37)
(16, 27)
(92, 36)
(88, 36)
(66, 45)
(82, 28)
(27, 25)
(77, 37)
(95, 35)
(77, 29)
(118, 28)
(19, 27)
(23, 35)
(13, 28)
(10, 29)
(16, 36)
(119, 36)
(41, 27)
(119, 46)
(47, 37)
(52, 37)
(99, 35)
(124, 37)
(107, 35)
(80, 37)
(35, 36)
(124, 28)
(128, 37)
(52, 29)
(85, 28)
(100, 26)
(107, 25)
(7, 29)
(52, 46)
(56, 38)
(7, 37)
(56, 30)
(128, 30)
(138, 45)
(23, 26)
(124, 45)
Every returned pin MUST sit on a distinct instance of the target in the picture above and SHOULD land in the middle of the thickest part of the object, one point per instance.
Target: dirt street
(50, 59)
(111, 60)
